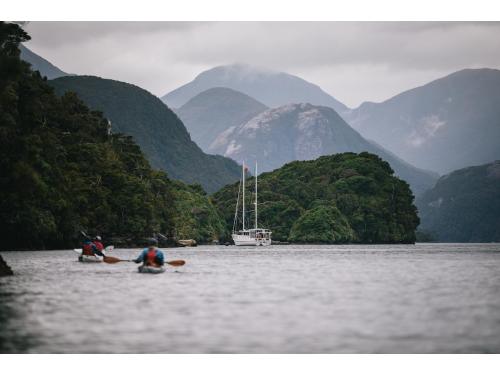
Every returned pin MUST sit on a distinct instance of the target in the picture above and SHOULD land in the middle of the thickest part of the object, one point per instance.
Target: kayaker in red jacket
(98, 244)
(92, 248)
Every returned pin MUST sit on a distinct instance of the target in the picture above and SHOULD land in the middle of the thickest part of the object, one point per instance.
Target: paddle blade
(177, 263)
(111, 260)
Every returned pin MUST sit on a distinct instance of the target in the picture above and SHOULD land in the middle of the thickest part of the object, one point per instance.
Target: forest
(63, 171)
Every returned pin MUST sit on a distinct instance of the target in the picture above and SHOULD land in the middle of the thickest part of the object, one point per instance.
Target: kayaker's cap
(98, 238)
(152, 242)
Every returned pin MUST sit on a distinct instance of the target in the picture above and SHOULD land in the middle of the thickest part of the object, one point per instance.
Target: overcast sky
(353, 61)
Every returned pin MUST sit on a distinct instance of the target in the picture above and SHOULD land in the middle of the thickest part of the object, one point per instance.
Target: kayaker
(89, 248)
(98, 244)
(151, 256)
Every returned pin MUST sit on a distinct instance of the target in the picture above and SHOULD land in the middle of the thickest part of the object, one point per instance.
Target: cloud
(353, 61)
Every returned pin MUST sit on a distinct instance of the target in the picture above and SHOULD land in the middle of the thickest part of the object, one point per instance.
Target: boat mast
(255, 195)
(235, 221)
(243, 185)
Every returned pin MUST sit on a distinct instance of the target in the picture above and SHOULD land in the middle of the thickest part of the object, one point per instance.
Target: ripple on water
(428, 298)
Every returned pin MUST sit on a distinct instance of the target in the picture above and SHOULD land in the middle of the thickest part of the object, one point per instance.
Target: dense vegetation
(334, 199)
(62, 171)
(155, 128)
(464, 206)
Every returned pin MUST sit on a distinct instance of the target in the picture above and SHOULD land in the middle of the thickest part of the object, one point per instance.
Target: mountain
(464, 206)
(305, 132)
(450, 123)
(39, 63)
(214, 110)
(334, 199)
(157, 130)
(272, 88)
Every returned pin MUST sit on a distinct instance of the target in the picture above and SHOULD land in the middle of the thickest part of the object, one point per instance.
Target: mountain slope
(214, 110)
(333, 199)
(157, 130)
(272, 88)
(464, 206)
(450, 123)
(304, 132)
(37, 62)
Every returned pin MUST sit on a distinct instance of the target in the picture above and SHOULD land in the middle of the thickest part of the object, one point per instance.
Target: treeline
(62, 171)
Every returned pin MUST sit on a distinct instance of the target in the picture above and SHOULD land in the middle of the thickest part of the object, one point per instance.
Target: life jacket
(151, 257)
(87, 248)
(99, 246)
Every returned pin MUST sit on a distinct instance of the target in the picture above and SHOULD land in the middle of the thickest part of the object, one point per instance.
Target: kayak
(151, 269)
(91, 258)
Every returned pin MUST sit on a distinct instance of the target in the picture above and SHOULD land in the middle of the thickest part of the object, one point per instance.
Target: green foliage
(339, 198)
(464, 206)
(323, 223)
(194, 215)
(61, 171)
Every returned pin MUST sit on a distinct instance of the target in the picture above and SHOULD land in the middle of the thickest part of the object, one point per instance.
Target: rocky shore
(5, 270)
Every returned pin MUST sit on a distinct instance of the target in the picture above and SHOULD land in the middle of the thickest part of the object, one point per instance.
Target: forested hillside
(156, 129)
(341, 198)
(62, 171)
(464, 206)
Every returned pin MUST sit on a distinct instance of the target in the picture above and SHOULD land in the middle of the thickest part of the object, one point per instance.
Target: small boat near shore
(151, 269)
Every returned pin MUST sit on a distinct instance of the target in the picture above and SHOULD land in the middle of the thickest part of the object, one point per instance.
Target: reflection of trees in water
(14, 337)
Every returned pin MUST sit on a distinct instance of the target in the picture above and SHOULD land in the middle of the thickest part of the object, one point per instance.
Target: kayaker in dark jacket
(151, 256)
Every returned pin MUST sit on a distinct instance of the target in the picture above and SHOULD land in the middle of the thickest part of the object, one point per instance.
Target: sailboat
(252, 236)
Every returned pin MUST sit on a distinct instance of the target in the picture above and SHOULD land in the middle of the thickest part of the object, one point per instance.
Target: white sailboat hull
(242, 240)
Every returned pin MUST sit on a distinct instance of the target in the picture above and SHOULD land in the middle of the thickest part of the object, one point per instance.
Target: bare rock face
(305, 132)
(5, 270)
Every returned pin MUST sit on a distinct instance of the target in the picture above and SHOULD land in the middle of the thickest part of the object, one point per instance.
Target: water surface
(428, 298)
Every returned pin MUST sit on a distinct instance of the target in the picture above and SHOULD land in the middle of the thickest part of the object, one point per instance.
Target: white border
(265, 10)
(316, 364)
(251, 10)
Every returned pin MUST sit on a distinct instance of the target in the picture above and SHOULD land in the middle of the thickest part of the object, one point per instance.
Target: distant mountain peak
(214, 110)
(444, 125)
(268, 86)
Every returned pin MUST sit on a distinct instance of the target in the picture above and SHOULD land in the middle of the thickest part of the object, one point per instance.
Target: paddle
(113, 260)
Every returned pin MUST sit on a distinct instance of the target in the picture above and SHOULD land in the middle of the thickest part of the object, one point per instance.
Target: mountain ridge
(444, 125)
(214, 110)
(45, 67)
(270, 87)
(305, 132)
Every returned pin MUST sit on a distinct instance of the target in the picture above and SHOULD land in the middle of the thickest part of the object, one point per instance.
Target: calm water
(293, 299)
